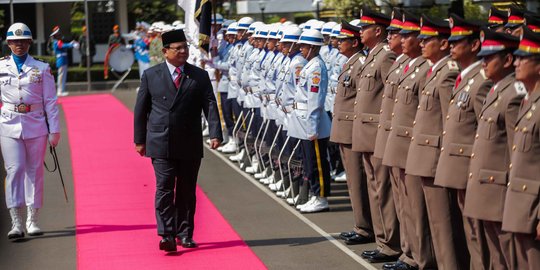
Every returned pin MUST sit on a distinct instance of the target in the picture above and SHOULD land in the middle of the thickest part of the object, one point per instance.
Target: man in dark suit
(168, 130)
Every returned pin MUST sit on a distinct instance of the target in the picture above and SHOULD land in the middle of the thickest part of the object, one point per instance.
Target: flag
(198, 20)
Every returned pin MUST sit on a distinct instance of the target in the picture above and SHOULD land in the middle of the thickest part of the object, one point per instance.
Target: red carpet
(114, 199)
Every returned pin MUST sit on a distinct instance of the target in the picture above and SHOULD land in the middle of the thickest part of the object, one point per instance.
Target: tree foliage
(151, 11)
(347, 8)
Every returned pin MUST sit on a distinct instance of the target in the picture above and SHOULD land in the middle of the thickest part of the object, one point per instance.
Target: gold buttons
(414, 122)
(418, 107)
(355, 116)
(383, 95)
(427, 93)
(423, 92)
(476, 136)
(524, 129)
(524, 187)
(395, 100)
(378, 126)
(452, 101)
(444, 132)
(490, 120)
(406, 132)
(346, 117)
(390, 128)
(516, 129)
(514, 147)
(472, 155)
(510, 166)
(412, 138)
(370, 119)
(393, 114)
(461, 150)
(447, 117)
(470, 175)
(355, 103)
(442, 149)
(491, 179)
(380, 111)
(427, 141)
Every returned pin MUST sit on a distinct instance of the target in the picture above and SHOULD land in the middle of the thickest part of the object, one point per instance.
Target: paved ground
(281, 237)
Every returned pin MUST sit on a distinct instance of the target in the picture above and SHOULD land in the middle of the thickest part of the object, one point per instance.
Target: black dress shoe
(405, 266)
(187, 242)
(369, 253)
(358, 239)
(399, 265)
(380, 257)
(345, 235)
(167, 244)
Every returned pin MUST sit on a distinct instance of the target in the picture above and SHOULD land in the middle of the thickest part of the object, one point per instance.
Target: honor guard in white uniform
(29, 119)
(310, 123)
(221, 64)
(334, 65)
(325, 50)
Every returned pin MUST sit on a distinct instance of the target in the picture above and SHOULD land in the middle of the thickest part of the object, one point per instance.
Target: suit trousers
(400, 202)
(316, 166)
(527, 255)
(23, 161)
(500, 245)
(476, 240)
(380, 192)
(419, 233)
(444, 219)
(176, 182)
(358, 190)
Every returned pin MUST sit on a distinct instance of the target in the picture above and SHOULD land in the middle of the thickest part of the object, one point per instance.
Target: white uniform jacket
(308, 119)
(33, 86)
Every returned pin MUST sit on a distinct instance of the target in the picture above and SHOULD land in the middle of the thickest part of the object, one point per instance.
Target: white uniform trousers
(23, 160)
(61, 80)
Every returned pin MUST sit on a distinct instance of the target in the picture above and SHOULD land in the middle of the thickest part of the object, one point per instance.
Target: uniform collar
(469, 68)
(436, 65)
(172, 68)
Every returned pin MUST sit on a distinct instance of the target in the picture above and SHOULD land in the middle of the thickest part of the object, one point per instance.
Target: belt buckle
(22, 108)
(294, 106)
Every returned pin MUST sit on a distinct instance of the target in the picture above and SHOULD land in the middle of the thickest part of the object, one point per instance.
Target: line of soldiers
(435, 122)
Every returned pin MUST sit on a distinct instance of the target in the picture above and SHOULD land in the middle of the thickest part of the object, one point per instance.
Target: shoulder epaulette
(386, 47)
(452, 65)
(41, 60)
(4, 57)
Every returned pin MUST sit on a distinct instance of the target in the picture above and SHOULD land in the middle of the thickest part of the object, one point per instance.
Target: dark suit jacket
(169, 121)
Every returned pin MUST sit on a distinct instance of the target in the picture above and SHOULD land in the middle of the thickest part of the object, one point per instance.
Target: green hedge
(78, 74)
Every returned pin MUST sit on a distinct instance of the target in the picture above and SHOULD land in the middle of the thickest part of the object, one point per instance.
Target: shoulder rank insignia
(5, 57)
(386, 47)
(452, 65)
(41, 60)
(316, 79)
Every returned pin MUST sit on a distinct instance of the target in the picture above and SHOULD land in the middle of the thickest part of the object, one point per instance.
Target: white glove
(313, 137)
(53, 139)
(75, 44)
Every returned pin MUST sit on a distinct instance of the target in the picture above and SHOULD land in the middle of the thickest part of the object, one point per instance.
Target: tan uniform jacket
(387, 104)
(428, 124)
(370, 86)
(406, 105)
(344, 101)
(460, 129)
(486, 189)
(522, 209)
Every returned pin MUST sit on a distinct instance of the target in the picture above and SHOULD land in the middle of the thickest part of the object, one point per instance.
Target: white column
(123, 16)
(40, 28)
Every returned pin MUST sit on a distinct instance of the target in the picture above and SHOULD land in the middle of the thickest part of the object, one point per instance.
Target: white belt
(288, 108)
(61, 54)
(22, 107)
(270, 97)
(300, 106)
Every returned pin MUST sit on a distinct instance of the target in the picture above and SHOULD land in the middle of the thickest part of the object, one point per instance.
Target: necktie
(492, 90)
(458, 80)
(178, 77)
(429, 72)
(405, 69)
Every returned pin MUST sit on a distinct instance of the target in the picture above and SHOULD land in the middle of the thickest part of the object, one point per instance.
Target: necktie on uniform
(178, 77)
(458, 80)
(492, 90)
(405, 69)
(429, 72)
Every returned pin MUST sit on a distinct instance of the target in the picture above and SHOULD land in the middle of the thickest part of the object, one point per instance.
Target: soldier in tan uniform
(497, 19)
(341, 133)
(466, 103)
(486, 189)
(426, 143)
(370, 86)
(522, 207)
(406, 102)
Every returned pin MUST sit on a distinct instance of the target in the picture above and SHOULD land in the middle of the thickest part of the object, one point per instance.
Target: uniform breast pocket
(368, 82)
(463, 103)
(426, 101)
(490, 122)
(406, 95)
(524, 138)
